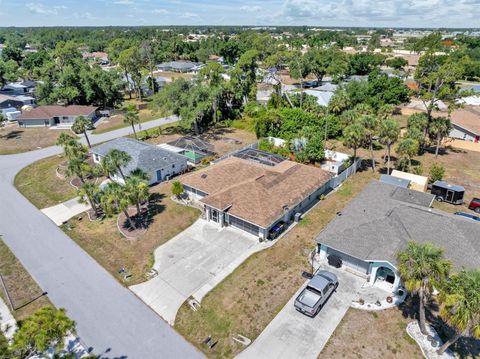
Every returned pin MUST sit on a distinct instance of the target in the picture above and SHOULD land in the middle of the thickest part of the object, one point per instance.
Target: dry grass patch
(247, 300)
(14, 139)
(20, 285)
(39, 183)
(372, 335)
(102, 240)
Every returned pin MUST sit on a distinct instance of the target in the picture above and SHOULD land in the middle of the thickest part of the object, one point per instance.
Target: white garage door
(352, 262)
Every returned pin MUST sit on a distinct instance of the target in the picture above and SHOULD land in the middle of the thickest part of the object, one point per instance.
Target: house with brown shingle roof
(465, 124)
(254, 195)
(55, 115)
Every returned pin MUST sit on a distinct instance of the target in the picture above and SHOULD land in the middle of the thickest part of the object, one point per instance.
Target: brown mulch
(124, 225)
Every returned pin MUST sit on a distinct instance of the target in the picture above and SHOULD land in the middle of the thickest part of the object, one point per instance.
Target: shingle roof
(468, 120)
(383, 218)
(147, 157)
(46, 112)
(254, 192)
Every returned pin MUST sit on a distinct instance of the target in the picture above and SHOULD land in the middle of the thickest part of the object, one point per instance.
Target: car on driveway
(468, 216)
(316, 293)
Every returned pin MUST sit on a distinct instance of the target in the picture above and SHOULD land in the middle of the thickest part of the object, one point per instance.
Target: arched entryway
(383, 275)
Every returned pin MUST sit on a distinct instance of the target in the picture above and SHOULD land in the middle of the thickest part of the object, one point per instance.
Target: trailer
(450, 193)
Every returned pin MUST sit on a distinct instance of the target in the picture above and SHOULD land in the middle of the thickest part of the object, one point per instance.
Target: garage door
(352, 262)
(244, 226)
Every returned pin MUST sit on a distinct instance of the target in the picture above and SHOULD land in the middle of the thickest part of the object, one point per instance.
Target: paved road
(110, 318)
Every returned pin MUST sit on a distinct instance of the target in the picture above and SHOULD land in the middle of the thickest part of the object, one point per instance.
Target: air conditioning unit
(298, 217)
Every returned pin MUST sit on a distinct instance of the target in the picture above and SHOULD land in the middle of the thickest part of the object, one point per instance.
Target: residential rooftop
(46, 112)
(144, 156)
(379, 222)
(256, 192)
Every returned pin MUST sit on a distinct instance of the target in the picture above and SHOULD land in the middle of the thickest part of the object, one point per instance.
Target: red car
(475, 205)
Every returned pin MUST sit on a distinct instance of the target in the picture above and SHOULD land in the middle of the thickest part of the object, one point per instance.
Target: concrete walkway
(110, 318)
(64, 211)
(294, 335)
(193, 263)
(8, 324)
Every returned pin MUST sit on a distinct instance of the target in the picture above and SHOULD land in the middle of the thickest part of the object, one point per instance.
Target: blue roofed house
(381, 220)
(158, 163)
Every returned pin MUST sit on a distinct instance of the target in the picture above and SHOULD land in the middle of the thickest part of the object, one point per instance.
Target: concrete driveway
(193, 263)
(293, 335)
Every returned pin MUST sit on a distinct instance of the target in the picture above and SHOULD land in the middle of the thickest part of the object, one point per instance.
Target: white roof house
(323, 97)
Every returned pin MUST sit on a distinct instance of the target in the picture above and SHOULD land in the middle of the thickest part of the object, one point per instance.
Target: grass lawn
(372, 335)
(247, 300)
(20, 285)
(41, 186)
(14, 139)
(102, 240)
(115, 122)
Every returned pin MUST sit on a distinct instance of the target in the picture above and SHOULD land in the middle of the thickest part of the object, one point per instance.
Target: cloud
(160, 11)
(251, 8)
(188, 15)
(124, 2)
(38, 8)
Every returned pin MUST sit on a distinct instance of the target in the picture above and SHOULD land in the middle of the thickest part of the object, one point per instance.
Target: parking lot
(294, 335)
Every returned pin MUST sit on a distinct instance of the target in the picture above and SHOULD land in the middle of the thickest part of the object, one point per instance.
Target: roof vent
(204, 175)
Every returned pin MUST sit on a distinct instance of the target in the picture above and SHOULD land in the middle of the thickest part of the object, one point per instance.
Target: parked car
(475, 205)
(468, 216)
(450, 193)
(277, 229)
(316, 293)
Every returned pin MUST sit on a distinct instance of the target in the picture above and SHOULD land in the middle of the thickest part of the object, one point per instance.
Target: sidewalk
(8, 325)
(64, 211)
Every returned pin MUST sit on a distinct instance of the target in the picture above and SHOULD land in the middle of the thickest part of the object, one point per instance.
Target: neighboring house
(382, 219)
(323, 97)
(466, 125)
(180, 66)
(26, 100)
(14, 89)
(253, 190)
(9, 104)
(55, 115)
(158, 163)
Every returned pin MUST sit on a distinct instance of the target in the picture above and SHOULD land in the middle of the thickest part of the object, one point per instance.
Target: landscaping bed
(20, 285)
(247, 300)
(15, 139)
(103, 241)
(40, 184)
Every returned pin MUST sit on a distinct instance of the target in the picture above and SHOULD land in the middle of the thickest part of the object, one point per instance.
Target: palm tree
(72, 148)
(353, 137)
(81, 125)
(131, 117)
(407, 148)
(118, 159)
(370, 124)
(114, 199)
(137, 191)
(77, 167)
(105, 168)
(389, 132)
(422, 266)
(439, 128)
(460, 305)
(141, 174)
(88, 193)
(64, 139)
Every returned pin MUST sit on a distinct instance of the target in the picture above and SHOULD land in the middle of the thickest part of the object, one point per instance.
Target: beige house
(55, 115)
(254, 196)
(418, 183)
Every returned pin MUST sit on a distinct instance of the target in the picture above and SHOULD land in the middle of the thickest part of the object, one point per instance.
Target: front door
(159, 175)
(56, 120)
(214, 215)
(449, 197)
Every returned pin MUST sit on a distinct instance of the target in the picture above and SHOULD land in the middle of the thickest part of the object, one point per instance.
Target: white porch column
(322, 252)
(208, 213)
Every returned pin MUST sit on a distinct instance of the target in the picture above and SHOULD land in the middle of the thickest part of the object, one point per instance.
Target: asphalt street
(110, 318)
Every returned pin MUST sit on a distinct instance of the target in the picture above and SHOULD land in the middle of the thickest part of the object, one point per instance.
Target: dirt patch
(15, 139)
(247, 300)
(40, 184)
(115, 122)
(102, 240)
(372, 335)
(25, 293)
